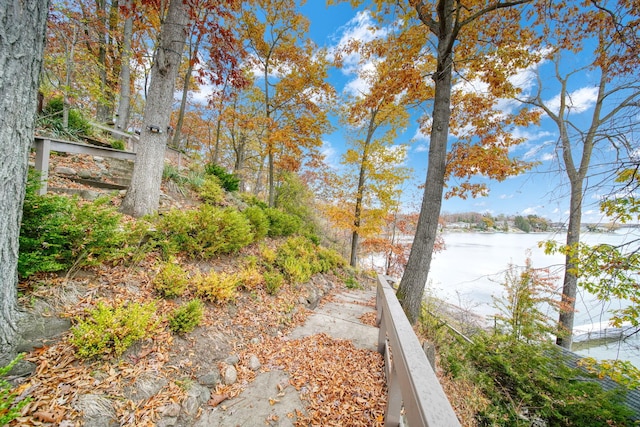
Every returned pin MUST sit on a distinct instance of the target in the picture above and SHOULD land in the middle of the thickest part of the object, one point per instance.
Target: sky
(542, 191)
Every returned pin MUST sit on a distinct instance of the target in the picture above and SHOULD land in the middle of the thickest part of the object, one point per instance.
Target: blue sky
(542, 191)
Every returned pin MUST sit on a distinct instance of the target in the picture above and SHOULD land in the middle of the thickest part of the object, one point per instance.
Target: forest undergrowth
(171, 298)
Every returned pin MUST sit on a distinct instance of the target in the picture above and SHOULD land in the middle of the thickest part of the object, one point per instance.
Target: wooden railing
(411, 382)
(44, 147)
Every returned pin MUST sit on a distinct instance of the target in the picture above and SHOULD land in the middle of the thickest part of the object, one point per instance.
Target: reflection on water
(469, 272)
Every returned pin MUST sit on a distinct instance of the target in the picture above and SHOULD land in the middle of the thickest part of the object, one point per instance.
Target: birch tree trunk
(22, 35)
(143, 195)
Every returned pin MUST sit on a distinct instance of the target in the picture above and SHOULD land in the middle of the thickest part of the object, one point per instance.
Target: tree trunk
(185, 92)
(216, 150)
(414, 279)
(102, 108)
(576, 177)
(362, 176)
(143, 195)
(355, 241)
(22, 35)
(240, 157)
(272, 185)
(387, 269)
(124, 103)
(258, 187)
(570, 284)
(70, 58)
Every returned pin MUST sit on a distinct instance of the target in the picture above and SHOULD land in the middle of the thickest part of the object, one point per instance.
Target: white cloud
(421, 148)
(577, 101)
(531, 210)
(331, 157)
(529, 134)
(421, 136)
(361, 29)
(506, 196)
(546, 157)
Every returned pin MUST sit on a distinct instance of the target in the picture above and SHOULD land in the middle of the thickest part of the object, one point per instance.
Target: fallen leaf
(217, 399)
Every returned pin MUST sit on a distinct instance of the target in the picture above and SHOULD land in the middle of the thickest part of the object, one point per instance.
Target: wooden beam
(423, 398)
(44, 147)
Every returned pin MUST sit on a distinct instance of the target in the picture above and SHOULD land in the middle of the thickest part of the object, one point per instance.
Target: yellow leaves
(621, 371)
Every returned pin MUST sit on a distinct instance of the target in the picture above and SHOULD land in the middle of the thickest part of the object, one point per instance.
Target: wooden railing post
(43, 150)
(411, 381)
(44, 146)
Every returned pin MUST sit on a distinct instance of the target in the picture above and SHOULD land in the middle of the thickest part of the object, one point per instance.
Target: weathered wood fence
(412, 384)
(44, 147)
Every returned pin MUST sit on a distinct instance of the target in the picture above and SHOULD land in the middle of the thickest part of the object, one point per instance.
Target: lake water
(469, 272)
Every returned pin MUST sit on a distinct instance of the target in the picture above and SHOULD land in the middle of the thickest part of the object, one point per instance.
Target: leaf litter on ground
(340, 384)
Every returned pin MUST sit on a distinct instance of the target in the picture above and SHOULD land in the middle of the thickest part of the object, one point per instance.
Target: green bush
(512, 382)
(259, 221)
(328, 259)
(537, 377)
(273, 280)
(352, 283)
(9, 408)
(252, 200)
(118, 144)
(217, 287)
(297, 270)
(171, 281)
(210, 191)
(299, 258)
(171, 173)
(185, 318)
(229, 181)
(195, 179)
(281, 223)
(294, 198)
(58, 232)
(77, 124)
(111, 330)
(204, 232)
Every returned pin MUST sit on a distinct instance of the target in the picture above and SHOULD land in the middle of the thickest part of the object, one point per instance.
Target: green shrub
(9, 408)
(185, 318)
(268, 254)
(171, 281)
(195, 179)
(511, 378)
(537, 377)
(205, 232)
(58, 232)
(217, 287)
(111, 330)
(252, 200)
(328, 259)
(118, 144)
(250, 277)
(229, 181)
(296, 269)
(294, 198)
(171, 173)
(281, 223)
(77, 124)
(299, 258)
(273, 280)
(352, 283)
(259, 221)
(210, 191)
